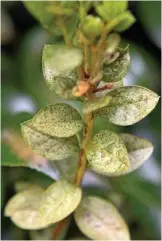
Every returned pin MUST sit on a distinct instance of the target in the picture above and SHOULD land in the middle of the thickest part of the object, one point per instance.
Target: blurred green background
(24, 92)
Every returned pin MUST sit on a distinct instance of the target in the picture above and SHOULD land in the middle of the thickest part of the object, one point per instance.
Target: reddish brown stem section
(59, 227)
(105, 87)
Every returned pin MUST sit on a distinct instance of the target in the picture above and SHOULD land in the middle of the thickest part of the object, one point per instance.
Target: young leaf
(60, 58)
(39, 11)
(50, 13)
(92, 105)
(107, 153)
(99, 219)
(92, 26)
(128, 20)
(53, 148)
(116, 70)
(59, 120)
(139, 150)
(129, 105)
(59, 200)
(109, 10)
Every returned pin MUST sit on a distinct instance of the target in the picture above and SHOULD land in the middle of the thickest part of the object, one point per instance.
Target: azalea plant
(86, 66)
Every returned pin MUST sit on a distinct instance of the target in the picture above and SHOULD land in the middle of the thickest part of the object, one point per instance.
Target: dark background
(24, 92)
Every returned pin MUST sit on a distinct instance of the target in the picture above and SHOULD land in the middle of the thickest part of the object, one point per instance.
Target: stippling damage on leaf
(22, 209)
(59, 63)
(107, 153)
(53, 148)
(129, 105)
(99, 219)
(59, 120)
(116, 70)
(59, 200)
(139, 150)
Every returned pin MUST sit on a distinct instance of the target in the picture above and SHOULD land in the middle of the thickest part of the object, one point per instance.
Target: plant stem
(59, 228)
(87, 134)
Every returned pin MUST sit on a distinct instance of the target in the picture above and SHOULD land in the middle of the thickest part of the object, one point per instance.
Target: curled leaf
(59, 120)
(53, 148)
(129, 105)
(99, 219)
(116, 70)
(59, 64)
(107, 153)
(139, 150)
(59, 200)
(60, 58)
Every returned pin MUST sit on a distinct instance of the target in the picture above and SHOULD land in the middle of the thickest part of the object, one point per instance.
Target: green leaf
(139, 150)
(99, 219)
(126, 22)
(92, 26)
(129, 105)
(59, 120)
(53, 148)
(107, 153)
(111, 9)
(59, 200)
(116, 70)
(95, 104)
(60, 58)
(49, 13)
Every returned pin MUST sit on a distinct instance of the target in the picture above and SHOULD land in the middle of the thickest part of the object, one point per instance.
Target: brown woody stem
(87, 133)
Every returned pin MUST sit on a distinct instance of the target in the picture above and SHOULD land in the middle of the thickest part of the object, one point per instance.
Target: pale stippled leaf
(59, 58)
(28, 219)
(59, 120)
(129, 105)
(116, 70)
(139, 150)
(22, 208)
(59, 200)
(95, 104)
(59, 63)
(67, 168)
(99, 219)
(107, 153)
(109, 10)
(26, 199)
(126, 22)
(53, 148)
